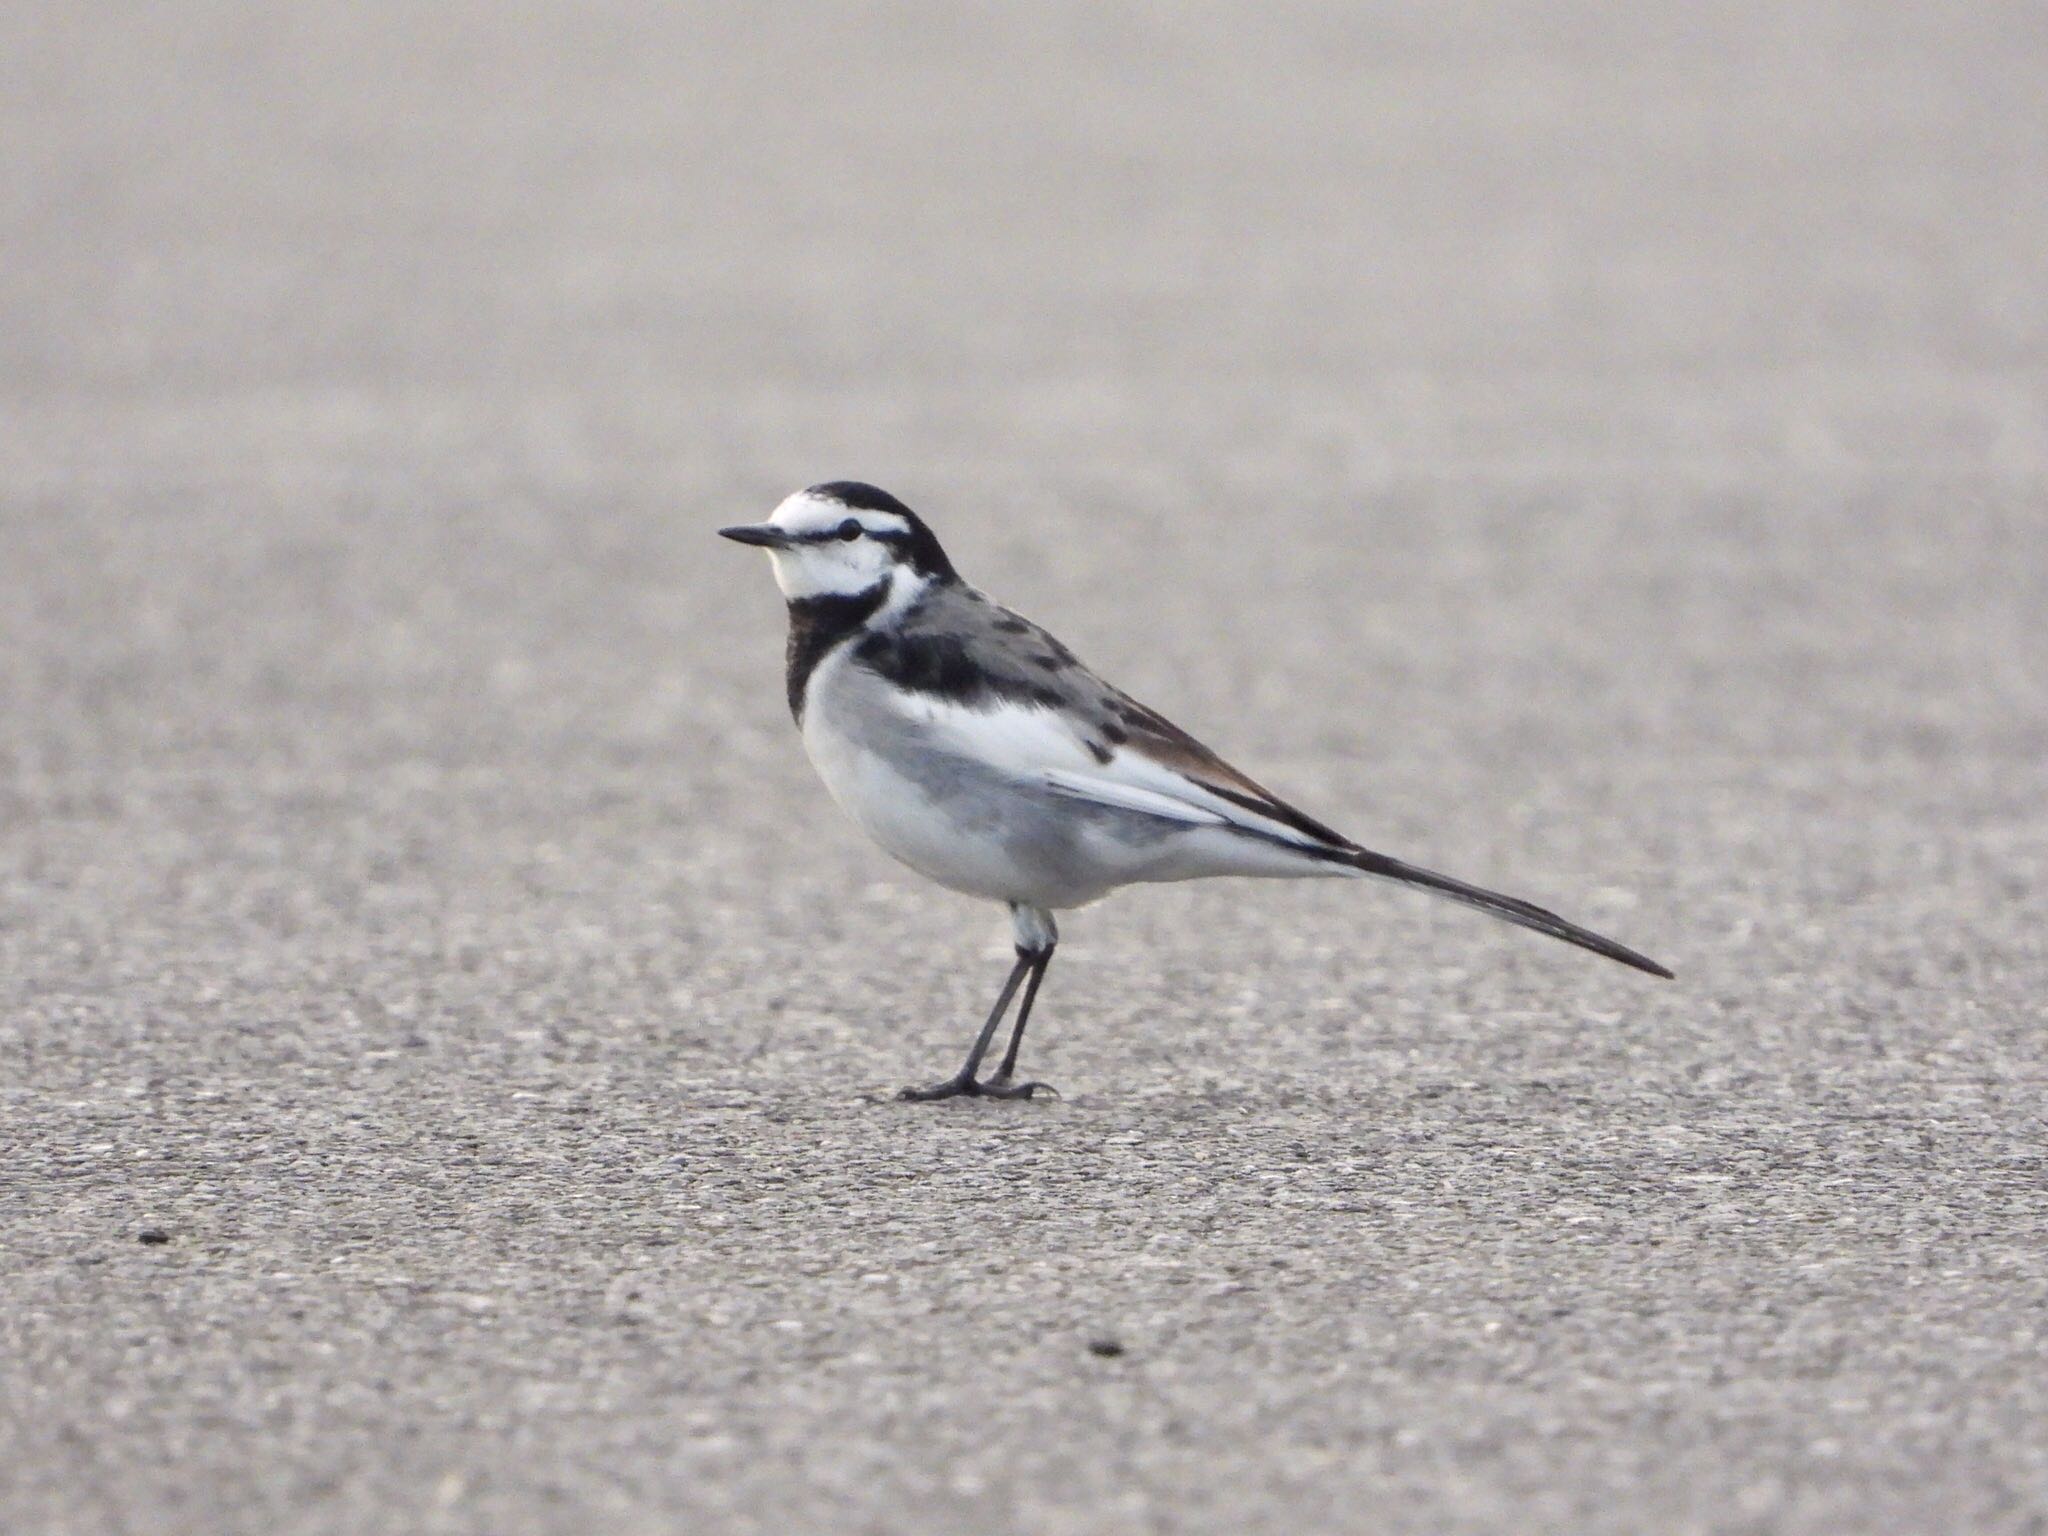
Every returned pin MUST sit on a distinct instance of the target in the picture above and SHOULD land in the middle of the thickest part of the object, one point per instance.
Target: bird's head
(846, 539)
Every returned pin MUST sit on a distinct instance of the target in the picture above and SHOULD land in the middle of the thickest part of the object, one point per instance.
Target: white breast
(922, 808)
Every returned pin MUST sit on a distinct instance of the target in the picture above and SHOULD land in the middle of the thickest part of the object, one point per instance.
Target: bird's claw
(1003, 1088)
(967, 1088)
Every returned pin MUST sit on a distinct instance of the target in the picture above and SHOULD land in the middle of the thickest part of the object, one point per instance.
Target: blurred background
(1598, 451)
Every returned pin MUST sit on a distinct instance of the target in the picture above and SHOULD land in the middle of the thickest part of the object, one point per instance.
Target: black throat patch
(816, 625)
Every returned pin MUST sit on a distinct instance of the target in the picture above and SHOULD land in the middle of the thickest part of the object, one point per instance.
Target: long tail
(1507, 908)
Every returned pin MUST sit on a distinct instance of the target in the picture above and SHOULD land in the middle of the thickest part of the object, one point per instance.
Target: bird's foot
(968, 1088)
(1000, 1087)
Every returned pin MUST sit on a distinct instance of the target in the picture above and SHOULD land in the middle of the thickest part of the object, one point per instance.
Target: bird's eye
(850, 529)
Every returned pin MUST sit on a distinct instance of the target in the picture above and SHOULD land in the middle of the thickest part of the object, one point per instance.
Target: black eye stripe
(834, 534)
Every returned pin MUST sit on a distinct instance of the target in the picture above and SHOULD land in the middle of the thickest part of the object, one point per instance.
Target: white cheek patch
(831, 569)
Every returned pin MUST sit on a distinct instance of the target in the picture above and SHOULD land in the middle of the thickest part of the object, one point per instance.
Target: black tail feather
(1509, 909)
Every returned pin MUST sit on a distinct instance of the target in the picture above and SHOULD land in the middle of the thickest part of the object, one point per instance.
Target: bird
(977, 749)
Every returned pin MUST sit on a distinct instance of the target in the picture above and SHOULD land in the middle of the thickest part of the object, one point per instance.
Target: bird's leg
(1036, 935)
(1040, 964)
(963, 1082)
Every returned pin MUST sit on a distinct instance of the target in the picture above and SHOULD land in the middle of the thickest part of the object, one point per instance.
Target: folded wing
(1027, 707)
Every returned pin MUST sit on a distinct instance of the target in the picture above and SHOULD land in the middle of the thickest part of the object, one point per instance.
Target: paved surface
(1597, 451)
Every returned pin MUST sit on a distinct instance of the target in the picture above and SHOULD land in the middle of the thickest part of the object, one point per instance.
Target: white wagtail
(975, 748)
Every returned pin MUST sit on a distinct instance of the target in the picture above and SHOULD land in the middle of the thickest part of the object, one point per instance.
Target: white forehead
(806, 513)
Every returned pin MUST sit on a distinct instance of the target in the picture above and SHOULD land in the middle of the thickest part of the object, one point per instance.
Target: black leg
(1041, 963)
(963, 1082)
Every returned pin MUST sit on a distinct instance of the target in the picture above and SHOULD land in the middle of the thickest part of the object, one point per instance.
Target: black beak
(767, 535)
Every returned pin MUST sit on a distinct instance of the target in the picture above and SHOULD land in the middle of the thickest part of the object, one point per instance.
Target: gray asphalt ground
(1600, 452)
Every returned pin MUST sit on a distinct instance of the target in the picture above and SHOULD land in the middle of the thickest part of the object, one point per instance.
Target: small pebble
(152, 1236)
(1108, 1349)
